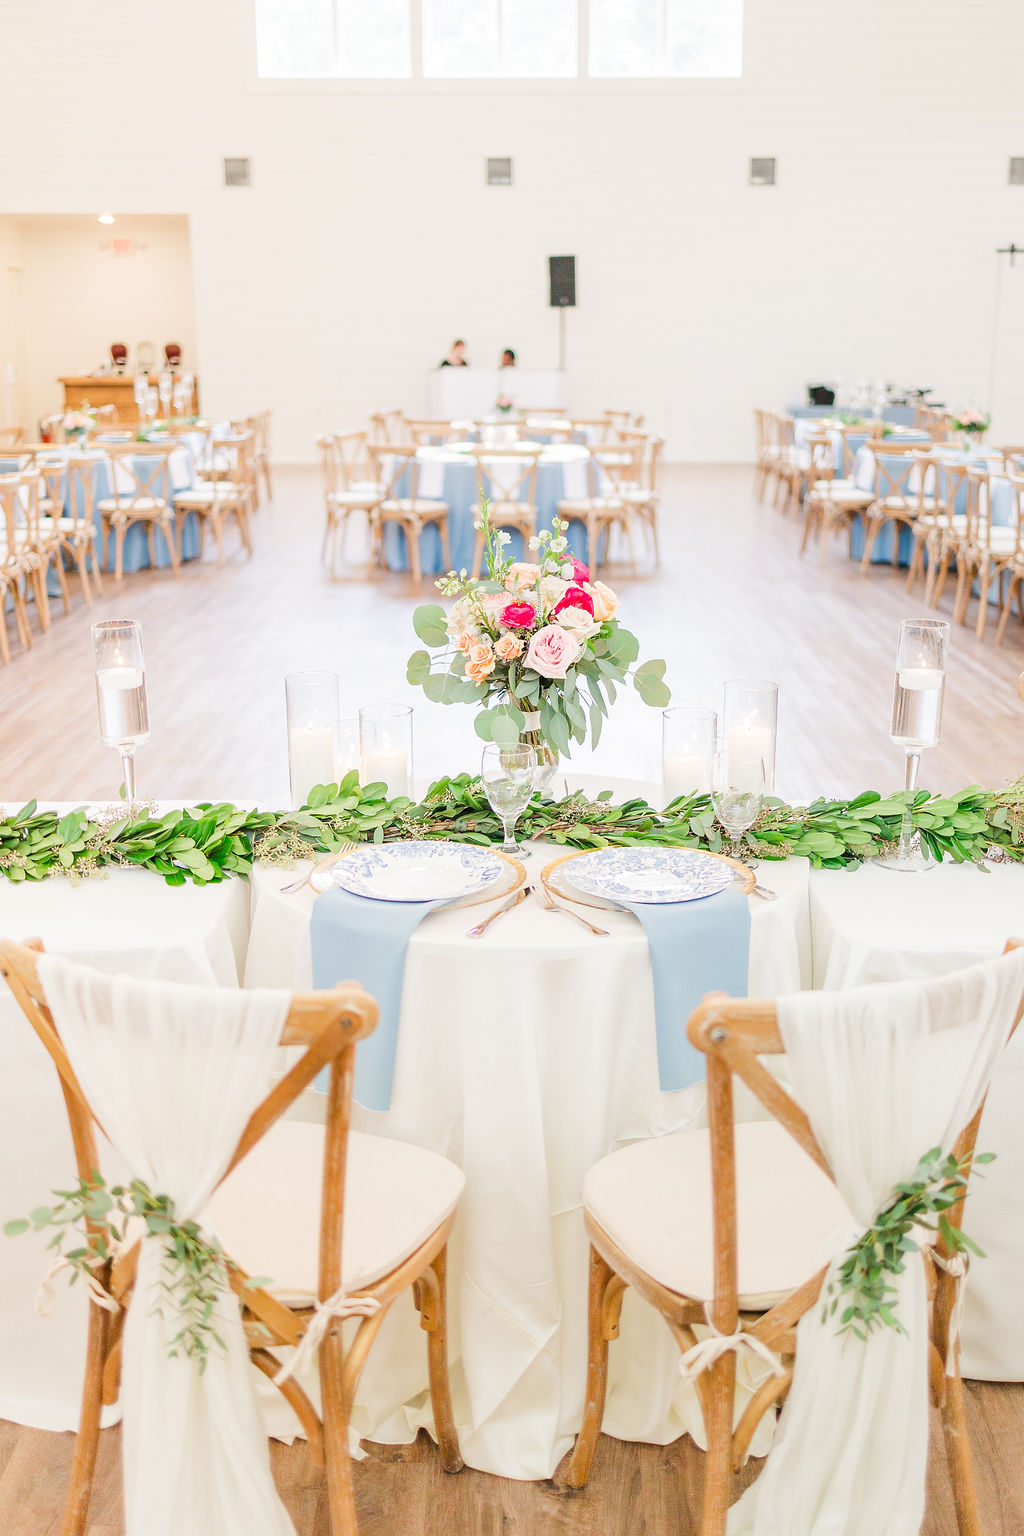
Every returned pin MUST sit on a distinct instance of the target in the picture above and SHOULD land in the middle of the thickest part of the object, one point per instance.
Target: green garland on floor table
(208, 843)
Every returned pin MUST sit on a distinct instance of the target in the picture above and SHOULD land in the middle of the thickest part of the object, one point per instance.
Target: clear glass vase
(547, 755)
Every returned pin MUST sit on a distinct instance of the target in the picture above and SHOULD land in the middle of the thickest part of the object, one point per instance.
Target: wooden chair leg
(871, 528)
(718, 1413)
(431, 1296)
(78, 555)
(21, 617)
(151, 544)
(600, 1274)
(958, 1457)
(62, 579)
(916, 566)
(42, 597)
(812, 516)
(167, 529)
(5, 647)
(83, 1466)
(1007, 607)
(339, 1377)
(984, 583)
(412, 540)
(96, 562)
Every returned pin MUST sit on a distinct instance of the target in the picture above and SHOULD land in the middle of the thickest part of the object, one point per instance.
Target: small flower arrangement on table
(535, 643)
(77, 425)
(971, 424)
(503, 404)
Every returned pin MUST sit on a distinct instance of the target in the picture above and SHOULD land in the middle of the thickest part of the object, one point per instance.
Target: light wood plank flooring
(732, 598)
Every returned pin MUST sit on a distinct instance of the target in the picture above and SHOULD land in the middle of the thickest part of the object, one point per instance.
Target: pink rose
(605, 601)
(508, 648)
(552, 651)
(518, 616)
(580, 572)
(575, 597)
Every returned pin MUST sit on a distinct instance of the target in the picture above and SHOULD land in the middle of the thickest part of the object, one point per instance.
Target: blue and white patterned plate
(649, 874)
(418, 871)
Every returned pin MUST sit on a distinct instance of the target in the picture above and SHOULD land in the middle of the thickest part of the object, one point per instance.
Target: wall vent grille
(762, 173)
(1017, 170)
(237, 173)
(499, 173)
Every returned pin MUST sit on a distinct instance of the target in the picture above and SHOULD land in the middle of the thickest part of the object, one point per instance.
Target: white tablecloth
(132, 922)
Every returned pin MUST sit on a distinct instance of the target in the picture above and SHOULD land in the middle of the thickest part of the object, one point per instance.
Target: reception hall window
(498, 39)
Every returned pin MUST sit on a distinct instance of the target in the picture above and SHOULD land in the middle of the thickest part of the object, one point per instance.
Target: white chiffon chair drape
(884, 1074)
(172, 1073)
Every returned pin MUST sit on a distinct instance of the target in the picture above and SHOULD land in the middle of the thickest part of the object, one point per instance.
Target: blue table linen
(355, 938)
(696, 947)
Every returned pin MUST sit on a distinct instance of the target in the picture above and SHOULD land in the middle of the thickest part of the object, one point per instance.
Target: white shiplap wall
(369, 239)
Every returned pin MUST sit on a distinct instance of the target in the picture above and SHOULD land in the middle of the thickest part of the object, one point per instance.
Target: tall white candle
(310, 759)
(683, 773)
(388, 766)
(744, 743)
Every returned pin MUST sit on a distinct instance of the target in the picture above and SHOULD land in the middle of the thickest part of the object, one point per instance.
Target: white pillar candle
(387, 766)
(920, 679)
(744, 743)
(310, 759)
(683, 773)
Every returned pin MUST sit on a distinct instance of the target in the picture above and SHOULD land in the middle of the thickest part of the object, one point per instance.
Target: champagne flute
(918, 689)
(121, 692)
(507, 774)
(737, 794)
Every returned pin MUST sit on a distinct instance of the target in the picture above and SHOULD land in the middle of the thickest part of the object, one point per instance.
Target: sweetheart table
(525, 1056)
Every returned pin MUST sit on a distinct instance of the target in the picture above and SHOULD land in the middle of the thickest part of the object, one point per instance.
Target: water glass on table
(737, 794)
(507, 775)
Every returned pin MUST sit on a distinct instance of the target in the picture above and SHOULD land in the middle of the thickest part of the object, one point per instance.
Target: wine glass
(141, 386)
(507, 774)
(152, 402)
(165, 389)
(918, 689)
(121, 692)
(737, 793)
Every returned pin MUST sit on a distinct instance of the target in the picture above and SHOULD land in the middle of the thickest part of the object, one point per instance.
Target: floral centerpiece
(971, 425)
(503, 404)
(536, 644)
(77, 425)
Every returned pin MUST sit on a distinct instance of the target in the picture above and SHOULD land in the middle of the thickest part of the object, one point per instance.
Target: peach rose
(465, 643)
(605, 601)
(552, 651)
(552, 590)
(479, 663)
(508, 648)
(521, 574)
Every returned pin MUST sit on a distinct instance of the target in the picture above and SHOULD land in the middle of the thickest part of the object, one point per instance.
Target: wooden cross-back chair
(19, 561)
(259, 427)
(348, 488)
(143, 470)
(509, 482)
(388, 426)
(424, 433)
(390, 464)
(900, 493)
(642, 497)
(768, 1180)
(410, 1194)
(1015, 567)
(941, 531)
(986, 551)
(10, 437)
(231, 495)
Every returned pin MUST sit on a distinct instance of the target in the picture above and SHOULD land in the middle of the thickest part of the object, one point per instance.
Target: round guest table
(525, 1056)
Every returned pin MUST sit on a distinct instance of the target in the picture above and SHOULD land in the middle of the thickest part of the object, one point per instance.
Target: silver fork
(551, 905)
(325, 863)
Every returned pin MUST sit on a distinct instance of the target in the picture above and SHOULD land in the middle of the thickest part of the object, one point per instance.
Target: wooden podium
(116, 389)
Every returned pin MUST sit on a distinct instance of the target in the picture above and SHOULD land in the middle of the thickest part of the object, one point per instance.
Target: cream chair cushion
(267, 1213)
(654, 1201)
(132, 507)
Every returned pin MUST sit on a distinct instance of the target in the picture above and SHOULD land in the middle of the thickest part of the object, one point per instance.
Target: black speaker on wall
(562, 274)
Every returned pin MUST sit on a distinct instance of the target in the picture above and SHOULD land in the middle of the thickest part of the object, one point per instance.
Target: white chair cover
(884, 1073)
(173, 1074)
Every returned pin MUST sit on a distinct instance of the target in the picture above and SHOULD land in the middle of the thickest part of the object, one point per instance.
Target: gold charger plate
(553, 876)
(511, 880)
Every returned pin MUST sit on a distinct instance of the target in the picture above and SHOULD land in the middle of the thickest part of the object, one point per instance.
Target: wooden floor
(732, 598)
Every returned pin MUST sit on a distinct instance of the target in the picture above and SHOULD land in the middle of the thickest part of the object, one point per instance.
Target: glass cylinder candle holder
(313, 709)
(347, 747)
(916, 722)
(688, 740)
(385, 747)
(121, 692)
(750, 715)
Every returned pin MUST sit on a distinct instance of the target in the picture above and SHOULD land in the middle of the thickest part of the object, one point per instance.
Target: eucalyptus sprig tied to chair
(342, 1223)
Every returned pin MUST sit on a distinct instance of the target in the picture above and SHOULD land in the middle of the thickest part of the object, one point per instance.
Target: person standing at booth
(457, 356)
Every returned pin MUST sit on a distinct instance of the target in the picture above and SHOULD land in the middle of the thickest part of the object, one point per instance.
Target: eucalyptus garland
(210, 842)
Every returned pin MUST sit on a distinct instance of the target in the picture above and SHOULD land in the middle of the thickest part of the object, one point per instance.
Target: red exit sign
(123, 245)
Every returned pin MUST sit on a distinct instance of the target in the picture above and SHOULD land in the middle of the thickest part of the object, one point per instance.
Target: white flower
(563, 526)
(557, 545)
(479, 527)
(535, 543)
(504, 538)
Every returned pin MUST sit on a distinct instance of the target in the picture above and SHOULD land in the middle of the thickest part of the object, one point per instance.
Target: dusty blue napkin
(355, 938)
(696, 947)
